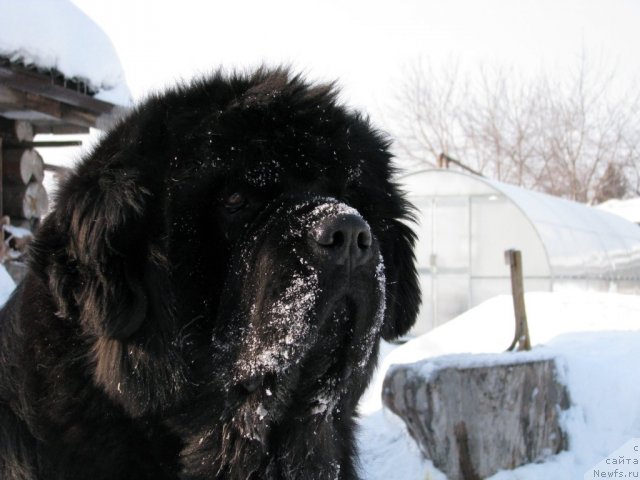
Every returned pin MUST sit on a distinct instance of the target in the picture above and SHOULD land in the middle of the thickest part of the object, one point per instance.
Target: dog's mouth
(310, 345)
(320, 358)
(328, 365)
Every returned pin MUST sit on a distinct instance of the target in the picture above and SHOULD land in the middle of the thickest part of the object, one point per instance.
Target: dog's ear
(390, 216)
(403, 291)
(389, 220)
(102, 216)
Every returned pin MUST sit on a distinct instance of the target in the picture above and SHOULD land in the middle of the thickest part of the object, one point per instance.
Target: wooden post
(521, 339)
(443, 161)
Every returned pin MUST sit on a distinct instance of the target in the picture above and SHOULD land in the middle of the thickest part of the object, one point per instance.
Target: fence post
(521, 340)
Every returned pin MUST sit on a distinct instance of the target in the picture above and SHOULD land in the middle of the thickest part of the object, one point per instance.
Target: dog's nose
(345, 237)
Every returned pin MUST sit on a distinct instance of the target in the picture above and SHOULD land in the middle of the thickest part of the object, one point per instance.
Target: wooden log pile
(23, 195)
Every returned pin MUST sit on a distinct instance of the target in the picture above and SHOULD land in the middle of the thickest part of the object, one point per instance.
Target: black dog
(206, 299)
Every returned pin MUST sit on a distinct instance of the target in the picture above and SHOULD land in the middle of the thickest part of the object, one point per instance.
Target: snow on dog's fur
(206, 299)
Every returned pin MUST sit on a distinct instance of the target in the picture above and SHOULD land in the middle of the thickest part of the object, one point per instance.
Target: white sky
(362, 43)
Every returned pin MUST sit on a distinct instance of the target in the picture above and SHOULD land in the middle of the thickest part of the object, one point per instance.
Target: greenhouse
(467, 222)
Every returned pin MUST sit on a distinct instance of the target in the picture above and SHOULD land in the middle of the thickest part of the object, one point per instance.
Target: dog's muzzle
(343, 238)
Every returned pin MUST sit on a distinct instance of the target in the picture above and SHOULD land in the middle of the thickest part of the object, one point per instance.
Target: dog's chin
(332, 332)
(313, 386)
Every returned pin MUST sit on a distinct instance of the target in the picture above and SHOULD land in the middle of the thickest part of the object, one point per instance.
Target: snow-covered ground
(57, 34)
(594, 336)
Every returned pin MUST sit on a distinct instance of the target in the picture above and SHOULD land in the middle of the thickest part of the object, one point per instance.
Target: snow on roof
(55, 34)
(629, 208)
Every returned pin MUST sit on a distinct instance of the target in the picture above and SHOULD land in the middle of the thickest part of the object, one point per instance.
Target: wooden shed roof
(51, 102)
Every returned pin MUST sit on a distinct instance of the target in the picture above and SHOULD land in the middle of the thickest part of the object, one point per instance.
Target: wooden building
(32, 101)
(36, 101)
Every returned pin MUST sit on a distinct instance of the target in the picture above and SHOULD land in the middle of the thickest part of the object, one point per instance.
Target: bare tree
(613, 184)
(571, 136)
(430, 105)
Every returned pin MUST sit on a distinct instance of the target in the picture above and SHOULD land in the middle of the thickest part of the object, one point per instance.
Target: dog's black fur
(190, 309)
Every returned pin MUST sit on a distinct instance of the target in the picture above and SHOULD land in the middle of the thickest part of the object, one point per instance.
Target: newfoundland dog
(206, 299)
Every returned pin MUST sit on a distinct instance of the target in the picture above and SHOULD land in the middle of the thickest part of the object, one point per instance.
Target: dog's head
(253, 210)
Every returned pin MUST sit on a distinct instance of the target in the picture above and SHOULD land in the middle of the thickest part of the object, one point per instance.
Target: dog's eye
(235, 201)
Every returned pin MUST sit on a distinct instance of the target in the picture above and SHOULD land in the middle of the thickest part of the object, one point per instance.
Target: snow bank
(596, 338)
(57, 34)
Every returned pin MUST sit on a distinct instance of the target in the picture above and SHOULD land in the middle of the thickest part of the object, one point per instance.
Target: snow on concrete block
(473, 415)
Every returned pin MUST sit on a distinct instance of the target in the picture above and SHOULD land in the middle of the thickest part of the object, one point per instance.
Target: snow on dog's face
(309, 278)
